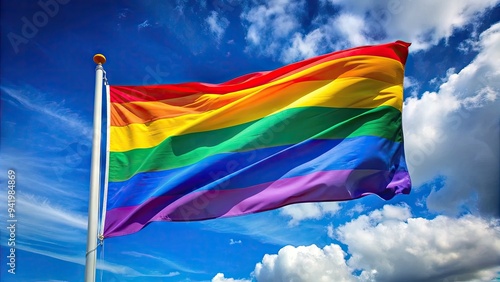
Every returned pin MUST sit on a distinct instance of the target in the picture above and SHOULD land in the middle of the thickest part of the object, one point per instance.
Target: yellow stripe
(347, 92)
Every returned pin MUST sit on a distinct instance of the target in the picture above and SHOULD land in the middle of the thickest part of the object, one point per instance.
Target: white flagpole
(90, 257)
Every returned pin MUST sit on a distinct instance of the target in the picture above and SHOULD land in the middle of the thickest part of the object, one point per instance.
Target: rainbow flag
(323, 129)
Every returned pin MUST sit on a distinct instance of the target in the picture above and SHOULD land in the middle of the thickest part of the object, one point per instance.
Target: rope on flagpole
(100, 237)
(101, 258)
(106, 169)
(100, 243)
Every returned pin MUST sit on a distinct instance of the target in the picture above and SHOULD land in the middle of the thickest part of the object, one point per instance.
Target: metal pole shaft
(93, 213)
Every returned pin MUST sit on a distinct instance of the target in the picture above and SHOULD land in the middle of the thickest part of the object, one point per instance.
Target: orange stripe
(353, 67)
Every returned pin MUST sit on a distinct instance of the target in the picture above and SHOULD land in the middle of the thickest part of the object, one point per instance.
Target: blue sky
(447, 229)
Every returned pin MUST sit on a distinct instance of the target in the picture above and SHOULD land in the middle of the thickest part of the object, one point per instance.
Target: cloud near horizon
(419, 249)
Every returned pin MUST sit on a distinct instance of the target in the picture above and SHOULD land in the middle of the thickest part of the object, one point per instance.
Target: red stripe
(121, 94)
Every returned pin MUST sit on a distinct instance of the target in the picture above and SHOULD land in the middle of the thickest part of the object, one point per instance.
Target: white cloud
(50, 214)
(52, 112)
(45, 224)
(411, 84)
(468, 45)
(144, 25)
(274, 29)
(330, 231)
(252, 226)
(351, 28)
(165, 261)
(272, 24)
(389, 245)
(303, 211)
(48, 229)
(357, 209)
(424, 23)
(303, 46)
(48, 177)
(100, 264)
(304, 263)
(219, 277)
(217, 24)
(454, 133)
(232, 241)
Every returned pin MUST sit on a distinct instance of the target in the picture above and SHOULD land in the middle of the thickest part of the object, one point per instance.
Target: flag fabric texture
(324, 129)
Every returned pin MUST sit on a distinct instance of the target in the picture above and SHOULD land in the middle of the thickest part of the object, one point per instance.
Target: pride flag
(323, 129)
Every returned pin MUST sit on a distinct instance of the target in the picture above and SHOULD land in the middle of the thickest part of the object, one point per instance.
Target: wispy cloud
(357, 209)
(102, 265)
(50, 196)
(304, 211)
(270, 25)
(53, 112)
(217, 25)
(233, 242)
(271, 221)
(46, 225)
(48, 176)
(144, 25)
(163, 260)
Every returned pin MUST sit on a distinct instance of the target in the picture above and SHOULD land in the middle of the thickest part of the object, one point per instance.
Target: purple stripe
(335, 185)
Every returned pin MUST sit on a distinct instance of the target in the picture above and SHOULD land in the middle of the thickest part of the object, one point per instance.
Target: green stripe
(284, 128)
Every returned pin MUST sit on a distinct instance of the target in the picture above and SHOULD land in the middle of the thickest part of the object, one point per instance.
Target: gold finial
(99, 59)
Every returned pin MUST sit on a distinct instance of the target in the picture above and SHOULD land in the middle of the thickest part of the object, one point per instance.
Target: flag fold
(324, 129)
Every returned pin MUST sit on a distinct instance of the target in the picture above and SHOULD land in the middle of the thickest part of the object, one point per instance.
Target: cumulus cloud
(303, 46)
(274, 28)
(424, 23)
(304, 263)
(303, 211)
(217, 25)
(454, 134)
(219, 277)
(351, 28)
(389, 245)
(270, 25)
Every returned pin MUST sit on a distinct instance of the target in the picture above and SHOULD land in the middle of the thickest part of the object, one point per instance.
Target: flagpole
(93, 214)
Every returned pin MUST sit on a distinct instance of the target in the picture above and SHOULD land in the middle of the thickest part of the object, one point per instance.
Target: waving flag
(323, 129)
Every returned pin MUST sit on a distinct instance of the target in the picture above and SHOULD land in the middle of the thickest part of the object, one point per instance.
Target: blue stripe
(243, 169)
